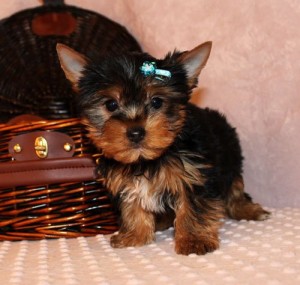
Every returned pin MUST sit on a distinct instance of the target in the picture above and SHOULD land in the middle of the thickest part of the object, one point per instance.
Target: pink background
(253, 74)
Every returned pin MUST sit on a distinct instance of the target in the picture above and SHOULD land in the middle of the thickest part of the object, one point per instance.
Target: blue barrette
(149, 68)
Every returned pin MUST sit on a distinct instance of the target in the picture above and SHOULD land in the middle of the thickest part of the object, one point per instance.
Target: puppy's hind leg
(239, 204)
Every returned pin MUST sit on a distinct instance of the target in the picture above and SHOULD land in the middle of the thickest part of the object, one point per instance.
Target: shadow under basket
(66, 199)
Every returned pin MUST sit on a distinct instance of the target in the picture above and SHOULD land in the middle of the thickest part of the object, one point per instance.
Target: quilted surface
(251, 253)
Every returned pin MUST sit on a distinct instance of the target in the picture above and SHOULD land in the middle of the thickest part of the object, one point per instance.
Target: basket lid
(31, 80)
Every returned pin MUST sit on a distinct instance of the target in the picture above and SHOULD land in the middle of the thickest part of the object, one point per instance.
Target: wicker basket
(32, 82)
(68, 209)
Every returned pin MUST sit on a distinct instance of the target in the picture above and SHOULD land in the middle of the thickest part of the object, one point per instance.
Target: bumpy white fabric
(251, 253)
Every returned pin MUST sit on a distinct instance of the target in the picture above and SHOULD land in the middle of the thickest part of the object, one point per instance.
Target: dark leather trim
(49, 171)
(24, 119)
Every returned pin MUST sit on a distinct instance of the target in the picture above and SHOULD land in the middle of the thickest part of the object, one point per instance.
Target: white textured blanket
(265, 253)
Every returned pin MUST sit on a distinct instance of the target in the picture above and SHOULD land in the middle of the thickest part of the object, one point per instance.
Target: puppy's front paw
(126, 240)
(200, 246)
(118, 241)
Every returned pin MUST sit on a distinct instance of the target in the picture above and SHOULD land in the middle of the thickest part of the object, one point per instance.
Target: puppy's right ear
(194, 61)
(72, 63)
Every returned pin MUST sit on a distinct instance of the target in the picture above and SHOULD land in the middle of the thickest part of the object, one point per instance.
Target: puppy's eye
(111, 105)
(156, 103)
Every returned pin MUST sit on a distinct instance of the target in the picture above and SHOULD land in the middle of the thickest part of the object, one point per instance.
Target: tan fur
(137, 226)
(192, 235)
(142, 196)
(112, 138)
(174, 176)
(239, 208)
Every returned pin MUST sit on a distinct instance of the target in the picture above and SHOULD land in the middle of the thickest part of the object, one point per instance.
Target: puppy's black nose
(136, 134)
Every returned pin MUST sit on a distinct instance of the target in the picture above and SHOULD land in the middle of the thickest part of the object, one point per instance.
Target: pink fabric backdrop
(253, 74)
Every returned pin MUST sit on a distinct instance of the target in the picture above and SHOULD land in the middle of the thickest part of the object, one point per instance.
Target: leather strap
(50, 171)
(59, 145)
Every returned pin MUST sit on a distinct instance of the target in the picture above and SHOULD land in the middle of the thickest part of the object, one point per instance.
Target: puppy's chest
(150, 197)
(155, 192)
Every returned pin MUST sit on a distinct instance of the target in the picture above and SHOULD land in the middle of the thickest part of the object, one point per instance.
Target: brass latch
(41, 147)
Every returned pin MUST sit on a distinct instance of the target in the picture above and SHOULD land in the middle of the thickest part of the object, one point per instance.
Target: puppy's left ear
(194, 60)
(72, 63)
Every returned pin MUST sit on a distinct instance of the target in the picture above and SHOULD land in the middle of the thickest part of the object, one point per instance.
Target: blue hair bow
(149, 69)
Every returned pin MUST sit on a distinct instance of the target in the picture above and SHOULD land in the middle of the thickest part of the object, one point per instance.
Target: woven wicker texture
(31, 80)
(51, 211)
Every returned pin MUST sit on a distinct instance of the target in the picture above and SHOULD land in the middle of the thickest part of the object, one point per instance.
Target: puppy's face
(132, 115)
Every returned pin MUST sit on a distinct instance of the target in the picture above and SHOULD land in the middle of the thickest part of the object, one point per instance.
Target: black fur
(123, 70)
(208, 133)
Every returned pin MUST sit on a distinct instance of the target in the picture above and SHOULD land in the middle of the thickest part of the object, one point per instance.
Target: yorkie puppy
(163, 157)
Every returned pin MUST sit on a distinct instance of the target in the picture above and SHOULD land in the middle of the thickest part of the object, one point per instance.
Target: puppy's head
(134, 104)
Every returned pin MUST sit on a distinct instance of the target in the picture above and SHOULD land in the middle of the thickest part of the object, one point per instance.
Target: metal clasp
(41, 147)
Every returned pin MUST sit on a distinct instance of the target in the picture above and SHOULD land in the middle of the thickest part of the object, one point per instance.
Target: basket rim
(42, 9)
(43, 122)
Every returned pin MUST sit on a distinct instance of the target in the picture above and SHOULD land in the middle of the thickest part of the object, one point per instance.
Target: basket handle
(53, 2)
(55, 22)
